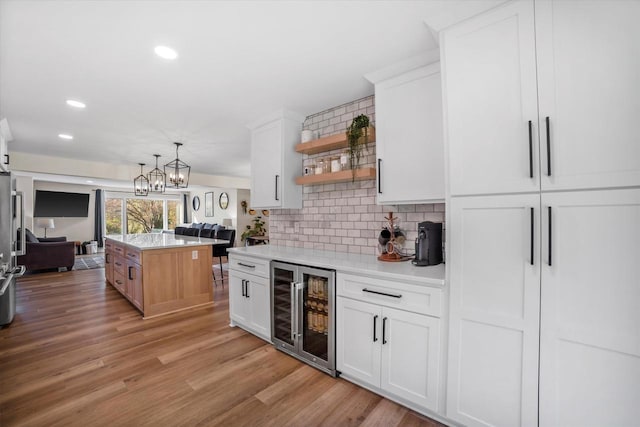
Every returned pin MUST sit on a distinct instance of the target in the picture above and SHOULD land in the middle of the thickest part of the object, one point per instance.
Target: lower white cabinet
(395, 351)
(544, 292)
(249, 303)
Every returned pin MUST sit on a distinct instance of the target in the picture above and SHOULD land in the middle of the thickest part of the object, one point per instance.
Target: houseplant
(257, 230)
(356, 130)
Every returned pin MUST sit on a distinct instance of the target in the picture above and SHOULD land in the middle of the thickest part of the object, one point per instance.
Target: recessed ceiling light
(166, 52)
(76, 104)
(65, 136)
(89, 181)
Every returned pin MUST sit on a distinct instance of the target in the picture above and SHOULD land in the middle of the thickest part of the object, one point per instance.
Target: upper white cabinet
(5, 137)
(571, 125)
(588, 79)
(409, 145)
(274, 161)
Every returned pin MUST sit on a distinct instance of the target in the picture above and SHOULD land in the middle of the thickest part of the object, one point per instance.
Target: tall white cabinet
(409, 141)
(274, 161)
(544, 181)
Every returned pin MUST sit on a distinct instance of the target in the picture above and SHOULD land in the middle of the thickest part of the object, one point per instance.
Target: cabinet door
(409, 142)
(489, 81)
(358, 337)
(590, 338)
(494, 310)
(266, 166)
(411, 356)
(238, 305)
(134, 284)
(108, 266)
(589, 68)
(259, 301)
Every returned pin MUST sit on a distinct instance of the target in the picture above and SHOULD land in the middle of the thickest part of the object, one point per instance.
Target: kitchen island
(161, 273)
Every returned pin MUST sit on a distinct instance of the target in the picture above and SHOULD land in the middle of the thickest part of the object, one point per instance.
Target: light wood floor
(78, 353)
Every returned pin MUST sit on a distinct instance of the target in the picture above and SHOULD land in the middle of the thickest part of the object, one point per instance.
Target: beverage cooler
(303, 313)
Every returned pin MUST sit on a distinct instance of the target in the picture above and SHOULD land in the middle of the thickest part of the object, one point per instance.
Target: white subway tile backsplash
(343, 217)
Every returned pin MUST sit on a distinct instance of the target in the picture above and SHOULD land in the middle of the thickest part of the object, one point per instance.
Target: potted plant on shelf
(357, 138)
(257, 230)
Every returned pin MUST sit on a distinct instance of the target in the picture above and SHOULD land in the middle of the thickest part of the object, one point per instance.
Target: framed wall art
(208, 204)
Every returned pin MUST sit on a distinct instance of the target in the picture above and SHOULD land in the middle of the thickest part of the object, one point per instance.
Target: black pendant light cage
(177, 172)
(157, 179)
(141, 183)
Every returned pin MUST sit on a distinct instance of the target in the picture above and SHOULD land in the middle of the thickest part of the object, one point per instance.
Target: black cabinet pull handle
(6, 159)
(375, 334)
(379, 176)
(382, 293)
(530, 150)
(384, 330)
(532, 230)
(548, 146)
(243, 293)
(130, 274)
(246, 288)
(106, 258)
(247, 265)
(550, 235)
(277, 176)
(118, 282)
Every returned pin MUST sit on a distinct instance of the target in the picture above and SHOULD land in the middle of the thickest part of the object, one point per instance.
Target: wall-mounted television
(55, 204)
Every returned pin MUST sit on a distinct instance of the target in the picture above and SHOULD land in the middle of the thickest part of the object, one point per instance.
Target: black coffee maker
(428, 244)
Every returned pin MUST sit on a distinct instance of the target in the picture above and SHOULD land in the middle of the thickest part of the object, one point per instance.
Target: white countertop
(349, 263)
(162, 240)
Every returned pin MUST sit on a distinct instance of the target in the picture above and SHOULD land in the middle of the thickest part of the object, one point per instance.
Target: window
(125, 214)
(113, 215)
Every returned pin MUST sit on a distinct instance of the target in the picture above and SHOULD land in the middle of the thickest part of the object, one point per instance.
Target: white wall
(219, 214)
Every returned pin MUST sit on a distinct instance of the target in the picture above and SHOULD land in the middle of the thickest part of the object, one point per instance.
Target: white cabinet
(494, 263)
(274, 161)
(393, 350)
(579, 118)
(590, 333)
(489, 82)
(588, 67)
(409, 144)
(249, 299)
(5, 137)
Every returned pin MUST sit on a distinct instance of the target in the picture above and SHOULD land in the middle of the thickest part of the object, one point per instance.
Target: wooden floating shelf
(342, 176)
(328, 143)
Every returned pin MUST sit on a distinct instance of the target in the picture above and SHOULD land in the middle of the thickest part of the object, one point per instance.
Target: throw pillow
(30, 237)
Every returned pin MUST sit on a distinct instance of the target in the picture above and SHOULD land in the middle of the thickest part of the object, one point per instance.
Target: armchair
(46, 253)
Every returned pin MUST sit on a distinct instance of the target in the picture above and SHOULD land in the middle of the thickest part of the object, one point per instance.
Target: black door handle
(130, 274)
(6, 157)
(530, 150)
(277, 176)
(384, 330)
(375, 320)
(379, 176)
(243, 293)
(550, 233)
(246, 288)
(532, 230)
(548, 146)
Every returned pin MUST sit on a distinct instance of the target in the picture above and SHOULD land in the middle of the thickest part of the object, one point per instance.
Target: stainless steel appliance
(303, 313)
(428, 244)
(9, 247)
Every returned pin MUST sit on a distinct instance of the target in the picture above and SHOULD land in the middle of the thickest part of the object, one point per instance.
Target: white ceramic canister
(306, 135)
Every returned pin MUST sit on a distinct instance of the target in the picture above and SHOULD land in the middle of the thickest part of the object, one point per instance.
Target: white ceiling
(238, 61)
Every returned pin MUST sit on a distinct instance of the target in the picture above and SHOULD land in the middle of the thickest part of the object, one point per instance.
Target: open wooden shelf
(328, 143)
(342, 176)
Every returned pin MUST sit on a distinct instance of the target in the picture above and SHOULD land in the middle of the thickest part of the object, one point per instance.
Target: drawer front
(118, 249)
(119, 265)
(257, 266)
(390, 293)
(134, 255)
(108, 245)
(119, 282)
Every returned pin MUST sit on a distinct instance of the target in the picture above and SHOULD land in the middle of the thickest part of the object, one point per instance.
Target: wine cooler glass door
(317, 316)
(284, 325)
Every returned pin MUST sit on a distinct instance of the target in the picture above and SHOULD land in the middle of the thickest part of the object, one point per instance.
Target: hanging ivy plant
(359, 127)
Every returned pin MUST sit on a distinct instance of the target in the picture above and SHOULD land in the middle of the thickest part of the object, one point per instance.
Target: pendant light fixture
(157, 178)
(141, 183)
(177, 172)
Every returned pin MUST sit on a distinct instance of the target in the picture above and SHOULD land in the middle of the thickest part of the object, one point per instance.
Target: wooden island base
(160, 275)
